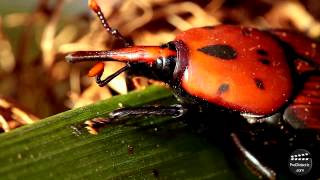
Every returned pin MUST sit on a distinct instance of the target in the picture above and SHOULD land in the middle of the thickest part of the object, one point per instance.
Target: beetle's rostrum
(161, 60)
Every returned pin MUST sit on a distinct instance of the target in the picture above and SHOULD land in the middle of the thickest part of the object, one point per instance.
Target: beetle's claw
(91, 130)
(94, 125)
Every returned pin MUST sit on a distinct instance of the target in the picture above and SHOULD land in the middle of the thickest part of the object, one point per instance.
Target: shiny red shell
(243, 69)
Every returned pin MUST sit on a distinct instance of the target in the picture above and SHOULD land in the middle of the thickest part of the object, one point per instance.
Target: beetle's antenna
(102, 83)
(114, 32)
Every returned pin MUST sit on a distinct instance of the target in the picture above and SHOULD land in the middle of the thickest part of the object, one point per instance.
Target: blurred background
(35, 36)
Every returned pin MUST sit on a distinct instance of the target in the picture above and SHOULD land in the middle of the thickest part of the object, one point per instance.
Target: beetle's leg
(252, 161)
(175, 111)
(114, 32)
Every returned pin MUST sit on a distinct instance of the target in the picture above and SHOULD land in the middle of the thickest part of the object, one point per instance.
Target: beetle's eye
(164, 67)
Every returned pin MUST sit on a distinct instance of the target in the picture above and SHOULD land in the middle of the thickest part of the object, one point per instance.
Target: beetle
(263, 76)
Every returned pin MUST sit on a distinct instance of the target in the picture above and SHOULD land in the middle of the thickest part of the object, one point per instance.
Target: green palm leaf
(60, 147)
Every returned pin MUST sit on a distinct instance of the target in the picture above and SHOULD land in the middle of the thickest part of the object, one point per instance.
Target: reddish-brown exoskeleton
(264, 77)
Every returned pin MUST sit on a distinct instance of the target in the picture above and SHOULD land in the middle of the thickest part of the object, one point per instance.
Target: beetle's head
(153, 61)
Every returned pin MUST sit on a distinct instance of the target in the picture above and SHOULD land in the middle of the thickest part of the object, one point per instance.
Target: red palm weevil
(261, 75)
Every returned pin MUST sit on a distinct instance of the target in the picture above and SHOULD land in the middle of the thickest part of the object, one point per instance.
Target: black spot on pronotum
(264, 61)
(262, 52)
(259, 83)
(222, 51)
(223, 88)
